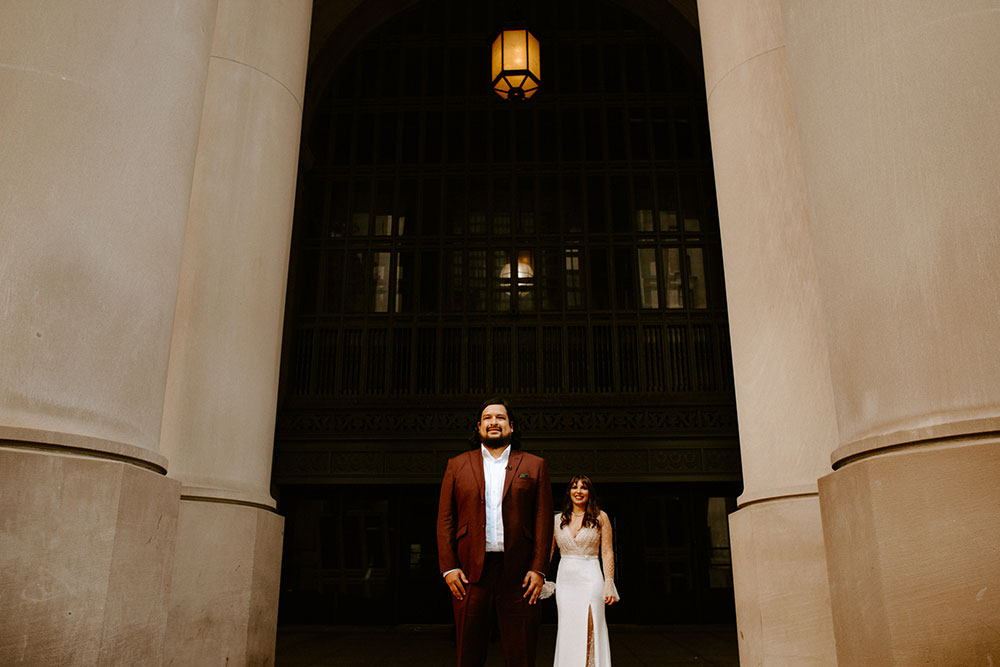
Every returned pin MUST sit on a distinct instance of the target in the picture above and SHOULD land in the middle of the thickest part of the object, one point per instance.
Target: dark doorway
(367, 554)
(563, 252)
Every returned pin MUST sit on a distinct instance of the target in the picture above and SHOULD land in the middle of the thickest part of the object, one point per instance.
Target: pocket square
(523, 475)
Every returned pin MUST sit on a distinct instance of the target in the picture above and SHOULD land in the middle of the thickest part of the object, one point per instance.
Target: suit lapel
(475, 459)
(512, 464)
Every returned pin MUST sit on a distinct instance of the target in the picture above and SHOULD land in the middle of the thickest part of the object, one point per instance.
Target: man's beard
(497, 443)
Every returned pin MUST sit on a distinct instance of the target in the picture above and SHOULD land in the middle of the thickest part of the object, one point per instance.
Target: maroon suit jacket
(526, 508)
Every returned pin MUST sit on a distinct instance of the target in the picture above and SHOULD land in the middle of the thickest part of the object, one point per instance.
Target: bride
(582, 531)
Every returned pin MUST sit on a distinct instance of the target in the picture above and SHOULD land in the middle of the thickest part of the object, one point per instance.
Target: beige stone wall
(219, 413)
(897, 114)
(86, 552)
(223, 600)
(784, 397)
(99, 126)
(130, 240)
(218, 424)
(896, 104)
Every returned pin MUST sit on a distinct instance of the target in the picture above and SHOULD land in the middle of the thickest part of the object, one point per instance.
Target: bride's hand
(610, 599)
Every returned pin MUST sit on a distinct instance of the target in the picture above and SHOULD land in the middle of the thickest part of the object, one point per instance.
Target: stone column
(98, 133)
(897, 105)
(218, 425)
(783, 391)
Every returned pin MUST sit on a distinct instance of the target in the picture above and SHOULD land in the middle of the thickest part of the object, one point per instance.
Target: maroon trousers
(497, 591)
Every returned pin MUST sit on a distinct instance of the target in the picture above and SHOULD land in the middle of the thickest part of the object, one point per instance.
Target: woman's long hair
(593, 511)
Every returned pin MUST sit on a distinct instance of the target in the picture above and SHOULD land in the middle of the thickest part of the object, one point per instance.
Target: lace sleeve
(608, 558)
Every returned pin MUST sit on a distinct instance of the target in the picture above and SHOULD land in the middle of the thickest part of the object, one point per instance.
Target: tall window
(449, 241)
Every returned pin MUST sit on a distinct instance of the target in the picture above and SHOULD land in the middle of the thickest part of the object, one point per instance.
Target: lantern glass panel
(534, 64)
(515, 49)
(497, 56)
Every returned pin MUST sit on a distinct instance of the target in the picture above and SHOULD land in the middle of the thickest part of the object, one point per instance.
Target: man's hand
(533, 583)
(456, 582)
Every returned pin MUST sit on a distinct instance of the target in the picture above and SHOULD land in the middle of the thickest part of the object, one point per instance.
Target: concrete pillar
(98, 129)
(218, 425)
(783, 391)
(896, 103)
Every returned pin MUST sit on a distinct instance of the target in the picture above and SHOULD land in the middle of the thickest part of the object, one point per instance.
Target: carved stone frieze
(432, 423)
(336, 463)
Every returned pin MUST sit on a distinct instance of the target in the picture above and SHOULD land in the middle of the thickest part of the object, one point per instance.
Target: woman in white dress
(582, 533)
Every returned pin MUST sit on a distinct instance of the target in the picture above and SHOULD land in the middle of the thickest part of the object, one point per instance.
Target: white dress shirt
(494, 472)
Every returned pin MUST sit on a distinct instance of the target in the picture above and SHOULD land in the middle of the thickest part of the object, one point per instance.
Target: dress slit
(590, 636)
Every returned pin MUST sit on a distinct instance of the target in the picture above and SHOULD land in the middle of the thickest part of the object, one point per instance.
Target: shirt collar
(503, 458)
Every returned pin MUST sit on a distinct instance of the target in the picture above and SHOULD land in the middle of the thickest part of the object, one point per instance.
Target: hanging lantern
(516, 70)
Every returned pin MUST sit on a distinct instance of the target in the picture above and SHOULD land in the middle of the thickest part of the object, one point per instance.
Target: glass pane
(647, 278)
(600, 292)
(380, 282)
(478, 204)
(690, 203)
(625, 286)
(638, 132)
(308, 271)
(621, 220)
(666, 199)
(364, 138)
(574, 280)
(570, 134)
(336, 286)
(525, 280)
(338, 209)
(674, 282)
(501, 206)
(501, 272)
(383, 225)
(454, 292)
(354, 283)
(548, 198)
(616, 133)
(477, 280)
(526, 204)
(431, 223)
(456, 213)
(547, 278)
(410, 138)
(430, 272)
(572, 202)
(386, 138)
(501, 135)
(696, 278)
(596, 220)
(405, 283)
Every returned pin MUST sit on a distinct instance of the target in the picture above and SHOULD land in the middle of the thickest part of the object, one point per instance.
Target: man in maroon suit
(494, 532)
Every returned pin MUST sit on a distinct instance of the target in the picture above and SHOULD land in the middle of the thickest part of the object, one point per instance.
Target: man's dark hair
(515, 437)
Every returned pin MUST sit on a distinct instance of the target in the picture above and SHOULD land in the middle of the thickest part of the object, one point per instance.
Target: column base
(86, 549)
(914, 555)
(224, 594)
(779, 575)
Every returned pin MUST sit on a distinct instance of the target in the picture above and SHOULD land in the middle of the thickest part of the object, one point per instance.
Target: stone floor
(433, 645)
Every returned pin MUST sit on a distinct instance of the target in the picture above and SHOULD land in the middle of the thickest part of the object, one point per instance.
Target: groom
(494, 532)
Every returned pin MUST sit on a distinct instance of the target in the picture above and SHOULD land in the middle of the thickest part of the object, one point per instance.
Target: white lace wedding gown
(582, 636)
